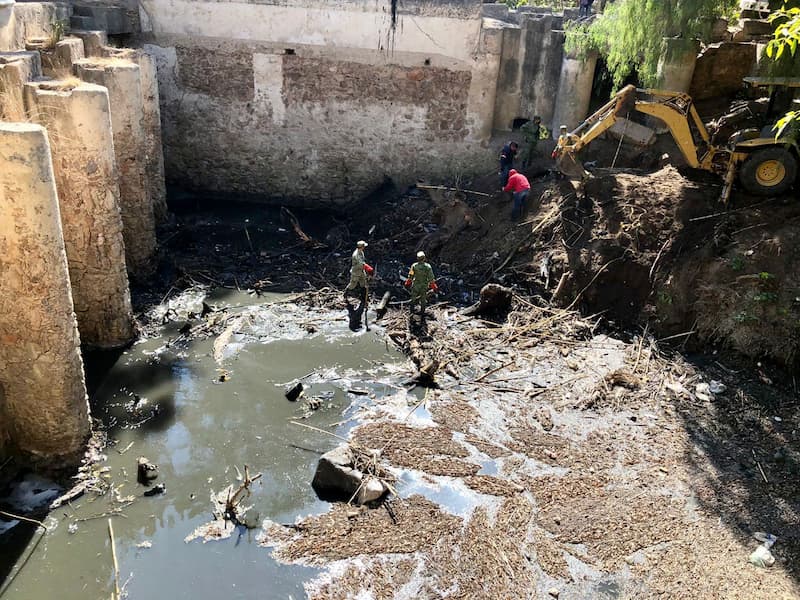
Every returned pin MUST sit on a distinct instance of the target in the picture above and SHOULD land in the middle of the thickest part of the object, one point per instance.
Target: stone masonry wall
(326, 106)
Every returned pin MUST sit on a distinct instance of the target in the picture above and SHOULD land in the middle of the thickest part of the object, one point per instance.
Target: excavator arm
(675, 109)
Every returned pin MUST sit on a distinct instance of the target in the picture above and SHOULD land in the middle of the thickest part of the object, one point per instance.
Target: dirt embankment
(651, 248)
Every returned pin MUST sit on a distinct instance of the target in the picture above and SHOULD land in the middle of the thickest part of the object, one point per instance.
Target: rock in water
(145, 470)
(293, 393)
(337, 479)
(156, 490)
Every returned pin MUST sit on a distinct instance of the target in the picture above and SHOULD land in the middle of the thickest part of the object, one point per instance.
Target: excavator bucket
(571, 168)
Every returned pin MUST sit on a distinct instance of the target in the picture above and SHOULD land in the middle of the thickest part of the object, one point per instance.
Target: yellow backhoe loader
(765, 166)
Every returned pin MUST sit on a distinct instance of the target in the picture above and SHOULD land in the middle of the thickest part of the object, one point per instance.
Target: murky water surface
(168, 404)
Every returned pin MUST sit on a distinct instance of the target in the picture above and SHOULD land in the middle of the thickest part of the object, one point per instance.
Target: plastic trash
(761, 556)
(677, 388)
(717, 387)
(703, 392)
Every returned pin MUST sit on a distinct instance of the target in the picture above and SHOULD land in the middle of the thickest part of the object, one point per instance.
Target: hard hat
(420, 255)
(361, 244)
(563, 127)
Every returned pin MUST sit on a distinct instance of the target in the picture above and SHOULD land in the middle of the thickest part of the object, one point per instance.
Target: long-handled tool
(366, 302)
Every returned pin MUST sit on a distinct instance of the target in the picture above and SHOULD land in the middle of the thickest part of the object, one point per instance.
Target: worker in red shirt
(519, 186)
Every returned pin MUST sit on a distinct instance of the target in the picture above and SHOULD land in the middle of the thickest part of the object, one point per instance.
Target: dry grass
(401, 526)
(65, 84)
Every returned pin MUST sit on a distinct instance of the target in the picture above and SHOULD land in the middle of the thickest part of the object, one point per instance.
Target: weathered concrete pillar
(123, 80)
(7, 23)
(543, 52)
(41, 369)
(483, 87)
(151, 108)
(574, 90)
(78, 123)
(16, 69)
(507, 94)
(676, 67)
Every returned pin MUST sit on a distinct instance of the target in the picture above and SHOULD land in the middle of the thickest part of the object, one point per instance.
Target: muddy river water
(164, 400)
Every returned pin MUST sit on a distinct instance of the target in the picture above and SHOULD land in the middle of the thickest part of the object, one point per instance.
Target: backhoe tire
(769, 171)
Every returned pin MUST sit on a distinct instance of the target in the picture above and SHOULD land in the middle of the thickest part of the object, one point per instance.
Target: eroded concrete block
(16, 69)
(676, 67)
(78, 122)
(94, 41)
(45, 410)
(57, 60)
(633, 133)
(122, 78)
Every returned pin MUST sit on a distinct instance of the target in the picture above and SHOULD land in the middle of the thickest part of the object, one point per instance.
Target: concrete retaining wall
(45, 408)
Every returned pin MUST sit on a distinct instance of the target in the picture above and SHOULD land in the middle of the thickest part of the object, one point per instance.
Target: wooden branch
(450, 189)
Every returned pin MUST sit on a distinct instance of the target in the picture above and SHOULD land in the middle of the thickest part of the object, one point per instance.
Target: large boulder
(338, 479)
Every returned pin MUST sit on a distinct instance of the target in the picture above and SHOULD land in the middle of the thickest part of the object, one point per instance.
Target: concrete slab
(632, 133)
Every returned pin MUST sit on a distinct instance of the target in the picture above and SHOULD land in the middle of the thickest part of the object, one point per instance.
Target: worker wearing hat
(359, 270)
(420, 281)
(533, 131)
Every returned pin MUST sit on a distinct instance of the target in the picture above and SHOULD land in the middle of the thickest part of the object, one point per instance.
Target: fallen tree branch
(21, 518)
(449, 189)
(307, 239)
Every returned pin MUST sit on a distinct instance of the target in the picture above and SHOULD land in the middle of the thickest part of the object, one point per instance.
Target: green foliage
(786, 37)
(745, 317)
(515, 3)
(59, 27)
(737, 263)
(630, 33)
(782, 48)
(765, 297)
(765, 276)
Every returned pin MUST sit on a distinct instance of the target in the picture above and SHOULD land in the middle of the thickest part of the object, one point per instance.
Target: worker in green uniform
(420, 281)
(358, 271)
(532, 132)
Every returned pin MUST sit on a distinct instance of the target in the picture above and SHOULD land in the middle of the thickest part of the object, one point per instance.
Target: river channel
(201, 411)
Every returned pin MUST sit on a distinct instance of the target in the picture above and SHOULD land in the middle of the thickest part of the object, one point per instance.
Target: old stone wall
(720, 68)
(321, 101)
